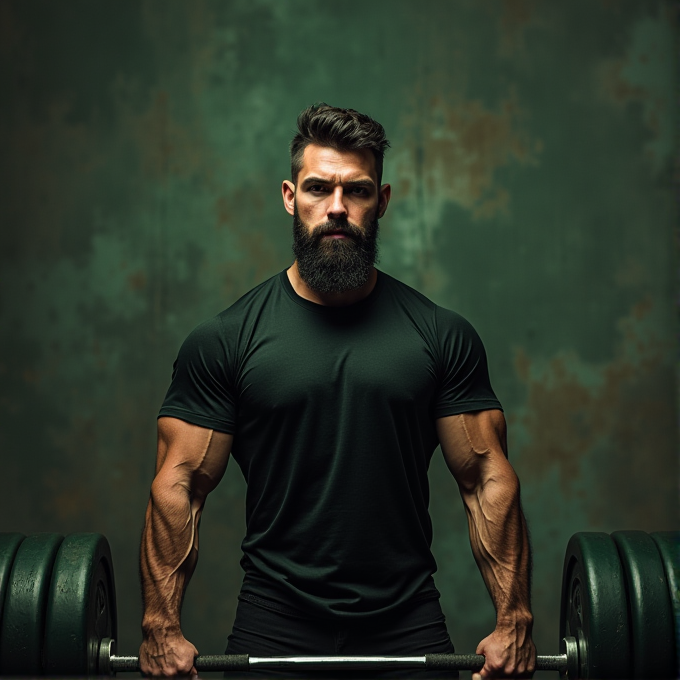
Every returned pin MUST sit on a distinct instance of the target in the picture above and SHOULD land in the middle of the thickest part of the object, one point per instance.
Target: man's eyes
(355, 191)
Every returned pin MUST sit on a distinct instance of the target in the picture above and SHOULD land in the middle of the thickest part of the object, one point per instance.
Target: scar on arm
(473, 447)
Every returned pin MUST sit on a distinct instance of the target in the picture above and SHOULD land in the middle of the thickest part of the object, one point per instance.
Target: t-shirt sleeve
(463, 369)
(202, 389)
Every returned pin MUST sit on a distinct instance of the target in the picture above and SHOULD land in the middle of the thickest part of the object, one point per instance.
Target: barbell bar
(110, 664)
(620, 612)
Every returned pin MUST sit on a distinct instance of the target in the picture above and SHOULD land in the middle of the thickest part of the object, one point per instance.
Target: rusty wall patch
(515, 17)
(608, 429)
(644, 76)
(458, 147)
(451, 152)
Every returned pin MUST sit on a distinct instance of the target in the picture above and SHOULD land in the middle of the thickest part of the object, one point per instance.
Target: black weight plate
(668, 543)
(651, 616)
(594, 607)
(81, 607)
(21, 633)
(9, 544)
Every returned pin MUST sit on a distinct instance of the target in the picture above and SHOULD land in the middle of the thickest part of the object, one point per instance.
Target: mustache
(336, 226)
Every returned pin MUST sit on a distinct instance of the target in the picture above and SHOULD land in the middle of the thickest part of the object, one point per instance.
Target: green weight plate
(9, 544)
(594, 607)
(81, 607)
(21, 633)
(651, 616)
(668, 543)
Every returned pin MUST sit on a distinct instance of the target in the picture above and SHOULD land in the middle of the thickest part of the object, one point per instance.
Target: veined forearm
(475, 451)
(500, 544)
(169, 552)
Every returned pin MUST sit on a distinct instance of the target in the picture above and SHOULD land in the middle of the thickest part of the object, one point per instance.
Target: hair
(341, 129)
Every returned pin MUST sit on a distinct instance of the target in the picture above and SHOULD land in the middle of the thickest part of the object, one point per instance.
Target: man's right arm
(190, 462)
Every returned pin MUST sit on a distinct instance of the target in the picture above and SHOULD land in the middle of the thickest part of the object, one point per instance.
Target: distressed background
(141, 154)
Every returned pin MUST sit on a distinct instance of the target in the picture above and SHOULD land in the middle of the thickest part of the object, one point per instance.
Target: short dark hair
(341, 129)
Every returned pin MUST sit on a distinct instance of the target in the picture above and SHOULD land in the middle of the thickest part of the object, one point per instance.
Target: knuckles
(168, 661)
(498, 665)
(505, 658)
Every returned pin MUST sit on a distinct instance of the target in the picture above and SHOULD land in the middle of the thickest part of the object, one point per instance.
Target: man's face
(335, 205)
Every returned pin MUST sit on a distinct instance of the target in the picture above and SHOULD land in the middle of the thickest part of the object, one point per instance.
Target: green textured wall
(142, 149)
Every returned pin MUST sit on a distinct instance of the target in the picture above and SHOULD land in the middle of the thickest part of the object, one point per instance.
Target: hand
(163, 654)
(509, 652)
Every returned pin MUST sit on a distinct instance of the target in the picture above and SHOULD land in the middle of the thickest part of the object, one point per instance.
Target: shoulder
(253, 299)
(449, 321)
(207, 337)
(214, 331)
(442, 319)
(406, 294)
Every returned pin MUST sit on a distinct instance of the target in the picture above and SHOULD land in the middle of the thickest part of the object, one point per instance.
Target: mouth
(338, 233)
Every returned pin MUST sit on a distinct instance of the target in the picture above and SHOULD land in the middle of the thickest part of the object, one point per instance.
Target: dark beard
(335, 265)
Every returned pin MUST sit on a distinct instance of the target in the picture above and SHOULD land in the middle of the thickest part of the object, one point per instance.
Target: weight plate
(81, 608)
(651, 617)
(9, 544)
(21, 633)
(594, 607)
(668, 543)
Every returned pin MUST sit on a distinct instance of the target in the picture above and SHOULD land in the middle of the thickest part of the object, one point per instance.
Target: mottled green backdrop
(142, 146)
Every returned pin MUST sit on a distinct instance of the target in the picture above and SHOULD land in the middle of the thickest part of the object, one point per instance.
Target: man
(331, 384)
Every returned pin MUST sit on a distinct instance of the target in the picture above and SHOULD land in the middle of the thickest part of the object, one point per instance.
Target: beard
(335, 265)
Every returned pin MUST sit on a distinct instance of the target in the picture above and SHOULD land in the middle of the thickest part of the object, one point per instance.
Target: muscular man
(331, 384)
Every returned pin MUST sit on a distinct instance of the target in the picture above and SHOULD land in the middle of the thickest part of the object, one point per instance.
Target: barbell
(619, 612)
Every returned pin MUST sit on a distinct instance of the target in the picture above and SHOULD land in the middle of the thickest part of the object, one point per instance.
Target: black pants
(415, 630)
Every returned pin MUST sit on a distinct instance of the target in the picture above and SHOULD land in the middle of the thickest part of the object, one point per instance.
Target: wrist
(155, 627)
(523, 619)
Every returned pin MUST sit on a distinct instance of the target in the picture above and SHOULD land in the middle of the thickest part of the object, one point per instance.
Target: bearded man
(331, 384)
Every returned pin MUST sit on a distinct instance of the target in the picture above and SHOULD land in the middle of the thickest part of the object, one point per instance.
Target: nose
(336, 208)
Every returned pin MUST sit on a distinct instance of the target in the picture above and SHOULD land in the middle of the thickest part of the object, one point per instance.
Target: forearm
(500, 544)
(169, 553)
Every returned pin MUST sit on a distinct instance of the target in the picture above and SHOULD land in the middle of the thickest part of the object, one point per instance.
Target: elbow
(493, 475)
(510, 481)
(504, 486)
(499, 489)
(169, 490)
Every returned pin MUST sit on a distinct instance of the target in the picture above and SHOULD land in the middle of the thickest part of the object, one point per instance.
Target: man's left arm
(474, 447)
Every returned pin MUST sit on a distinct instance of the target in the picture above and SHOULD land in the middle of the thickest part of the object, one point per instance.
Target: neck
(349, 297)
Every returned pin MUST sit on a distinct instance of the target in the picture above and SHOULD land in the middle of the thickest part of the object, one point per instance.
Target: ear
(383, 199)
(288, 193)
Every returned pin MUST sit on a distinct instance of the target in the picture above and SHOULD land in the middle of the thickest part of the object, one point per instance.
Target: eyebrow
(352, 183)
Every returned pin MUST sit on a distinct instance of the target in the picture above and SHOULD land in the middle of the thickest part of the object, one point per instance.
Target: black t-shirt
(333, 414)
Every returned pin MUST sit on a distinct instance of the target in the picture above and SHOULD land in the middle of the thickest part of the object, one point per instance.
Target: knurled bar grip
(217, 662)
(472, 662)
(244, 662)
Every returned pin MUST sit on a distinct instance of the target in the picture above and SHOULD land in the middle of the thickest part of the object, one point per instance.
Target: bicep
(474, 446)
(192, 456)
